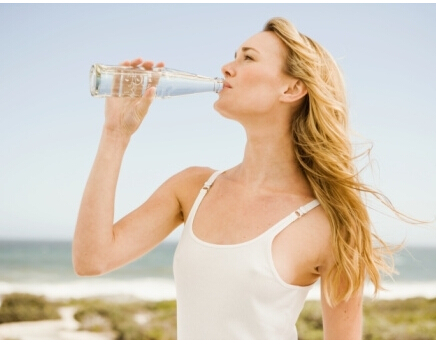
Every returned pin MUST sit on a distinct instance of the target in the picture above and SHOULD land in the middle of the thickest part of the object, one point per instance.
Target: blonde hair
(324, 151)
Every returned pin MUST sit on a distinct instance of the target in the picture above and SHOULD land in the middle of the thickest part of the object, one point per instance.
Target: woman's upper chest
(232, 214)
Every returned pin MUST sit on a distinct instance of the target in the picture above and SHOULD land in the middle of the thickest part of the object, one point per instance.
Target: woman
(259, 235)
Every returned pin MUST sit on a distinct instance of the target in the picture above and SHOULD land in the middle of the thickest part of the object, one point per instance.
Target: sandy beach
(66, 328)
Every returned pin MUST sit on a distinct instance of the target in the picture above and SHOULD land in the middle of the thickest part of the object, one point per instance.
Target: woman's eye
(247, 57)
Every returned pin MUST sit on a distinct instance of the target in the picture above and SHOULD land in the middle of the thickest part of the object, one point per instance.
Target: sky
(50, 125)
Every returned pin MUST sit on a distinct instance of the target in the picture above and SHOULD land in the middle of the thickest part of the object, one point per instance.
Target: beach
(145, 288)
(66, 328)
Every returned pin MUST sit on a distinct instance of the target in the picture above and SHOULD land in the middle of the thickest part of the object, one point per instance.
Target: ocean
(45, 268)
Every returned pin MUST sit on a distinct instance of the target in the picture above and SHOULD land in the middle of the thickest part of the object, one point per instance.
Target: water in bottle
(124, 81)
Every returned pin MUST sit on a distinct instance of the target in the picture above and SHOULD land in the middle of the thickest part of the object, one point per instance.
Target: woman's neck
(270, 163)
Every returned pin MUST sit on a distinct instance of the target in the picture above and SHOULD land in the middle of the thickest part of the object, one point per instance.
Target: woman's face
(255, 79)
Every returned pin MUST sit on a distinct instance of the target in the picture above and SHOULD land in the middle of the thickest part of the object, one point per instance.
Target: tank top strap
(206, 186)
(295, 215)
(211, 179)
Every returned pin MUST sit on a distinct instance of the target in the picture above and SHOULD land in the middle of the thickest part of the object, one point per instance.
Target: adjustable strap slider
(206, 186)
(300, 212)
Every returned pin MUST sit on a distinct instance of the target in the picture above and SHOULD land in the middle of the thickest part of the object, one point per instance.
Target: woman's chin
(220, 110)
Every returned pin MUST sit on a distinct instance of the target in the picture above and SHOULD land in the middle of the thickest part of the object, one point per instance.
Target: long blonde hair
(325, 153)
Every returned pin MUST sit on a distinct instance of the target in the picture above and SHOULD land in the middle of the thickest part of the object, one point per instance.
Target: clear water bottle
(122, 81)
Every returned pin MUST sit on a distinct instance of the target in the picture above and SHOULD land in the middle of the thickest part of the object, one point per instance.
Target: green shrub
(413, 318)
(309, 324)
(25, 307)
(99, 315)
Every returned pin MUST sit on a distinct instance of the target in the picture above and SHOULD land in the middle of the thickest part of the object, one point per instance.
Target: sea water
(45, 268)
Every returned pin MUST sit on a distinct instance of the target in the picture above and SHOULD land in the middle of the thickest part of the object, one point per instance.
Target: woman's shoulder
(195, 174)
(187, 184)
(190, 180)
(315, 233)
(322, 239)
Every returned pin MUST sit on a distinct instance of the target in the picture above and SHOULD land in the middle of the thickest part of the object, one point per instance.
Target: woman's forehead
(264, 42)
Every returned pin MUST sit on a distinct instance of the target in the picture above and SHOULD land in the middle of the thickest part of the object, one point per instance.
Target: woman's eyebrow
(244, 49)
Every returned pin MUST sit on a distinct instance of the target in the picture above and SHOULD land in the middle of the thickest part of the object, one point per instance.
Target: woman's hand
(124, 115)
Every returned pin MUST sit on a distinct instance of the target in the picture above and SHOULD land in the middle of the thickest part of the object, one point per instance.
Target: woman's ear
(296, 90)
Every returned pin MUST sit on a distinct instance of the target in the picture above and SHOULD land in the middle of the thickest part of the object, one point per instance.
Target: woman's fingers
(139, 62)
(127, 112)
(132, 63)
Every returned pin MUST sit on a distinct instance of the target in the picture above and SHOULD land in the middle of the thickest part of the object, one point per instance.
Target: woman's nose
(228, 69)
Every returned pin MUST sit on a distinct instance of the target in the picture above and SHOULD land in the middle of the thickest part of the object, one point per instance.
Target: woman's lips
(227, 85)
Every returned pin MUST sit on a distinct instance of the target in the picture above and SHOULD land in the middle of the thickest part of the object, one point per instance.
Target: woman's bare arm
(343, 321)
(99, 245)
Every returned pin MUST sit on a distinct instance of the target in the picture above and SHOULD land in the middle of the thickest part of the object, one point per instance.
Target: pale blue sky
(50, 125)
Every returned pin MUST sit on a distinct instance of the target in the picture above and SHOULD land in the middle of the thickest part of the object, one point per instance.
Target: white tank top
(234, 291)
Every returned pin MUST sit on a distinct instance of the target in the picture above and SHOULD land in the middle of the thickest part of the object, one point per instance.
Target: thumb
(146, 100)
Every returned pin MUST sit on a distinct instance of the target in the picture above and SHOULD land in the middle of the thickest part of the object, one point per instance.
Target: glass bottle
(123, 81)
